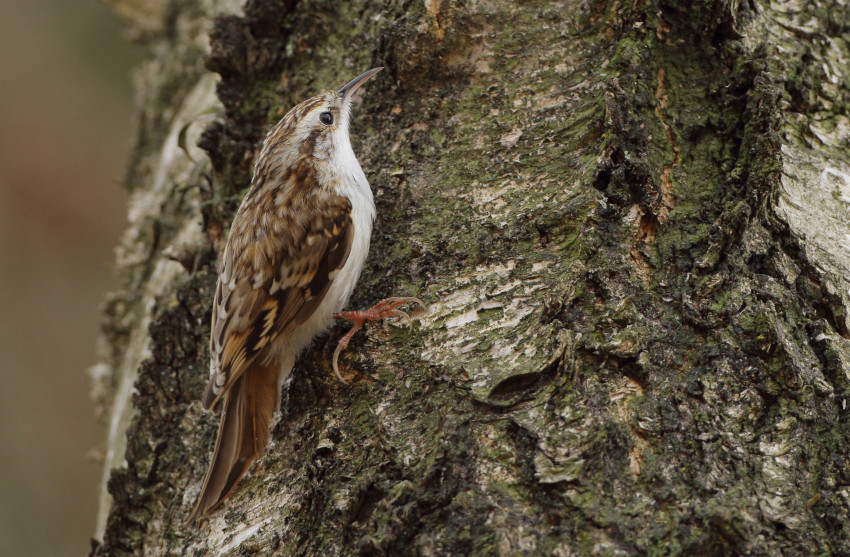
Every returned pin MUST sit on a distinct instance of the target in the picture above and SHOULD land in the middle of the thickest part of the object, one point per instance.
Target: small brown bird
(295, 251)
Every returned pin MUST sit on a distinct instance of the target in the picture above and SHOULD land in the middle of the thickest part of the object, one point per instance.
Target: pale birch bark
(629, 221)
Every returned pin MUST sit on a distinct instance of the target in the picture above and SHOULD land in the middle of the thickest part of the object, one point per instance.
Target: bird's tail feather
(243, 433)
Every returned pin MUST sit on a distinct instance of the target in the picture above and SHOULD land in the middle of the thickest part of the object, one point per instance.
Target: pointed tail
(243, 433)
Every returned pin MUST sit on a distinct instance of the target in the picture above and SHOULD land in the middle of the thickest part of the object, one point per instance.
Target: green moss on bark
(621, 355)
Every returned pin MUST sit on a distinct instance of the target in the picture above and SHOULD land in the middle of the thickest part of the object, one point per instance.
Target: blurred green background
(65, 131)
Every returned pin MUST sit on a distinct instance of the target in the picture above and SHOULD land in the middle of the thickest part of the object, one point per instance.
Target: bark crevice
(623, 219)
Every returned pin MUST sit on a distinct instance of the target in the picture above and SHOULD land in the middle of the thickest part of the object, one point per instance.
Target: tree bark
(629, 221)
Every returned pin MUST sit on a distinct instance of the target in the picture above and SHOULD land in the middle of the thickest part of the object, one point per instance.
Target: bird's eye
(326, 118)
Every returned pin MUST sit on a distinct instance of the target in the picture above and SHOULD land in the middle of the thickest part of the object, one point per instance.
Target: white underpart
(344, 170)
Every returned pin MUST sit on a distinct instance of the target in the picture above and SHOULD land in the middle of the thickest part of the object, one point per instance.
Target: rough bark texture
(630, 222)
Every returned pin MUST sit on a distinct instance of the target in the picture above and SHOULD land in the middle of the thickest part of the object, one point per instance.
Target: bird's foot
(381, 310)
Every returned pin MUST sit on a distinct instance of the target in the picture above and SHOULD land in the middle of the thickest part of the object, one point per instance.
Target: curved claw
(339, 376)
(406, 300)
(404, 317)
(384, 308)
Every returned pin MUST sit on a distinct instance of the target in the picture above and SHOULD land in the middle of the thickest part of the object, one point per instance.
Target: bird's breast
(357, 190)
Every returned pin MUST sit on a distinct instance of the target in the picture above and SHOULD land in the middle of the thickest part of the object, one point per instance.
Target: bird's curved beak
(349, 88)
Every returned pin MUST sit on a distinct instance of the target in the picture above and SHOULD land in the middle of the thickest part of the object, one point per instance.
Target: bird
(296, 247)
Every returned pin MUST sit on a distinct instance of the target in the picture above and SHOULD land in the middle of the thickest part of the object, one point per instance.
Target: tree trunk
(629, 221)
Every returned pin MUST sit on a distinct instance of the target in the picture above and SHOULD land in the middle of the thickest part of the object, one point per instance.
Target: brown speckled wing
(273, 278)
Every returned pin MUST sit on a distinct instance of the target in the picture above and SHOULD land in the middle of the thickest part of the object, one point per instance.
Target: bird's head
(317, 127)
